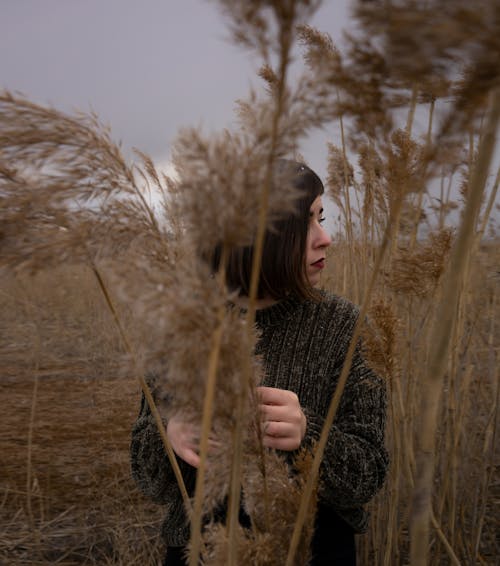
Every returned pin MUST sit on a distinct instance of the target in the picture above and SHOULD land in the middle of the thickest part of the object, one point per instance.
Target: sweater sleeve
(355, 461)
(149, 462)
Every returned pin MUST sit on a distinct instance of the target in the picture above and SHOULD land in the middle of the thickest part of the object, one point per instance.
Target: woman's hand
(283, 421)
(185, 439)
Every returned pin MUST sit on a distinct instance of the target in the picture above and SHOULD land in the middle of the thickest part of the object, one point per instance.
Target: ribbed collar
(276, 313)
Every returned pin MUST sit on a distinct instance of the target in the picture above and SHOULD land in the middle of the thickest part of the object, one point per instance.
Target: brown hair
(282, 269)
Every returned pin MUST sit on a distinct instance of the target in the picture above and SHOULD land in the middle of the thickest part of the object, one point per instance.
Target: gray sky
(146, 67)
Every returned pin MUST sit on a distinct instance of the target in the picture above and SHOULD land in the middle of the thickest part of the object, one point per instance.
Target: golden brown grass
(464, 485)
(67, 410)
(84, 506)
(70, 359)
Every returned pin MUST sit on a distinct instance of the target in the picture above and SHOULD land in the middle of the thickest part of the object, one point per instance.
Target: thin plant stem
(348, 217)
(397, 217)
(31, 427)
(394, 493)
(206, 423)
(489, 206)
(421, 192)
(489, 473)
(145, 388)
(235, 487)
(449, 549)
(411, 111)
(29, 459)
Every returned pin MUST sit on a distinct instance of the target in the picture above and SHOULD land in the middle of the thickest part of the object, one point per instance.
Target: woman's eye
(321, 219)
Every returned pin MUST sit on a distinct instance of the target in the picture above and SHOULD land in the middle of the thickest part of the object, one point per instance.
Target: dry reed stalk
(493, 433)
(463, 394)
(411, 111)
(392, 526)
(144, 386)
(31, 482)
(206, 424)
(451, 424)
(409, 453)
(421, 190)
(234, 499)
(449, 549)
(440, 341)
(29, 471)
(489, 207)
(345, 169)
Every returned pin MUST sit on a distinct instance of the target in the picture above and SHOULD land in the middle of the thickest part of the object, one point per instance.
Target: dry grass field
(67, 495)
(68, 403)
(419, 111)
(466, 484)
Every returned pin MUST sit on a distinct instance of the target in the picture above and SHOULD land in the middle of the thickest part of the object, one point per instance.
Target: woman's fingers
(183, 437)
(280, 413)
(284, 422)
(189, 456)
(185, 440)
(275, 396)
(281, 436)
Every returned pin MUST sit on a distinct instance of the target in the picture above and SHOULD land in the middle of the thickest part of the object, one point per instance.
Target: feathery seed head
(417, 273)
(66, 192)
(220, 186)
(379, 338)
(340, 174)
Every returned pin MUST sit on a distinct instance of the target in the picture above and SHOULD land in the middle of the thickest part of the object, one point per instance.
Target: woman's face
(317, 242)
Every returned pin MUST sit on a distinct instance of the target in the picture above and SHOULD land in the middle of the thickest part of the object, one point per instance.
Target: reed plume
(67, 193)
(218, 185)
(258, 544)
(418, 272)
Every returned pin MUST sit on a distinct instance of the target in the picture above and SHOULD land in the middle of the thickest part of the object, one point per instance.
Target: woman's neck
(243, 302)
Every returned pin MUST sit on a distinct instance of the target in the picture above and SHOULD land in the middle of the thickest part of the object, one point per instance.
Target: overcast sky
(146, 67)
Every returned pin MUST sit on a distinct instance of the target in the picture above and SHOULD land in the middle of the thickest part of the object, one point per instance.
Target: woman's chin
(314, 281)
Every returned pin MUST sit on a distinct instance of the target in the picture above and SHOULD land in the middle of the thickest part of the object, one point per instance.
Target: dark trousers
(332, 545)
(333, 541)
(175, 556)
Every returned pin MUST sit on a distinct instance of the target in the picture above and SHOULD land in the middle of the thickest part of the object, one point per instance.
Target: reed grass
(441, 335)
(72, 348)
(206, 424)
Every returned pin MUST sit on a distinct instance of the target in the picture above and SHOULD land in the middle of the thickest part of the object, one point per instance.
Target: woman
(305, 334)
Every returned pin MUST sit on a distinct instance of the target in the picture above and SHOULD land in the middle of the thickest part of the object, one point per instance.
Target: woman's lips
(320, 264)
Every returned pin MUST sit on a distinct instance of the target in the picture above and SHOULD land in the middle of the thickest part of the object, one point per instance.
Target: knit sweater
(303, 345)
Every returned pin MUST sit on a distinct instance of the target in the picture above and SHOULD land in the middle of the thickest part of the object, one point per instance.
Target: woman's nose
(323, 238)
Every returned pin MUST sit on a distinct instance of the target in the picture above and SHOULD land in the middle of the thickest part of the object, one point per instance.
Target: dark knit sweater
(303, 345)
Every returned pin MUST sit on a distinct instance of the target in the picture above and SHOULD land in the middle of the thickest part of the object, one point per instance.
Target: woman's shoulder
(343, 317)
(331, 304)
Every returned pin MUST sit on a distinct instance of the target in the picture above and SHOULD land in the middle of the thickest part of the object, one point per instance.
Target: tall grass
(66, 492)
(73, 344)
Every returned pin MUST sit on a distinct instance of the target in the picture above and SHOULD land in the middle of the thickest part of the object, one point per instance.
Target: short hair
(282, 270)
